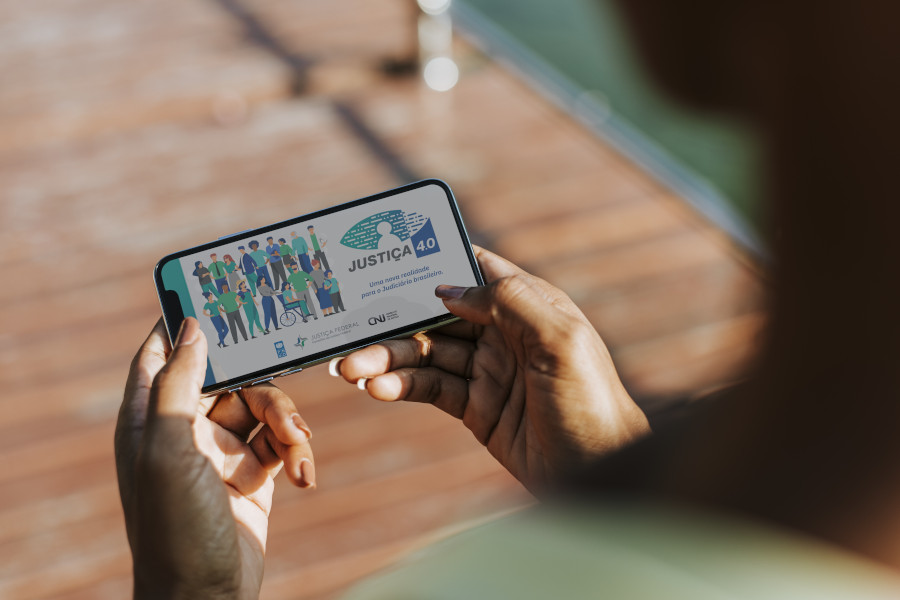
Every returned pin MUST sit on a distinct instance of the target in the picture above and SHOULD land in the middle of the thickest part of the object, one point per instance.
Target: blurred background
(129, 130)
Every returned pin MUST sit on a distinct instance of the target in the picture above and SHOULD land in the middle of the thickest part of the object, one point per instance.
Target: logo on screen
(280, 350)
(388, 316)
(395, 234)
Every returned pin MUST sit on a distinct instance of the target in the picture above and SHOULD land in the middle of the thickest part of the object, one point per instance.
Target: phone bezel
(326, 355)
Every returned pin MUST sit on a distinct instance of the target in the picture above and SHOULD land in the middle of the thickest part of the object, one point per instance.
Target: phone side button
(263, 380)
(234, 389)
(291, 372)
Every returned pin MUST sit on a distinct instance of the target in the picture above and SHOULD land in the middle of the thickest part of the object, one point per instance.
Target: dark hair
(329, 273)
(308, 227)
(262, 279)
(254, 243)
(198, 263)
(270, 238)
(282, 240)
(207, 294)
(285, 285)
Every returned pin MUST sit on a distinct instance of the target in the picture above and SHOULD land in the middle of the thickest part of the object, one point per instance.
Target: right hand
(525, 371)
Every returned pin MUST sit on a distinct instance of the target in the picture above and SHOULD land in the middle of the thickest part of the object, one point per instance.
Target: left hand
(195, 488)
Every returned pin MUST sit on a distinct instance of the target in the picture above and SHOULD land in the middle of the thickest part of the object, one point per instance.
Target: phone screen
(312, 287)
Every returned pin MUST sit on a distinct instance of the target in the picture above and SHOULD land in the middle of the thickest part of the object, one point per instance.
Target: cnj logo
(383, 317)
(392, 235)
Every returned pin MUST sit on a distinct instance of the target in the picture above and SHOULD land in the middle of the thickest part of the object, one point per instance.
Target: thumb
(508, 303)
(176, 388)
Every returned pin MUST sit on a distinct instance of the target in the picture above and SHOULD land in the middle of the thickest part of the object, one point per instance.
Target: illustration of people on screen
(387, 240)
(246, 299)
(248, 266)
(233, 273)
(291, 297)
(261, 259)
(212, 309)
(334, 290)
(300, 282)
(322, 294)
(318, 246)
(301, 250)
(205, 278)
(267, 294)
(287, 254)
(278, 274)
(229, 301)
(218, 272)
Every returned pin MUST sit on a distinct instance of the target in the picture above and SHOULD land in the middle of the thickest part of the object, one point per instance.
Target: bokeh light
(441, 74)
(434, 7)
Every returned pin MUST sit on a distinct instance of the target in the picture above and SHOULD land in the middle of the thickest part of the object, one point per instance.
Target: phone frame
(298, 365)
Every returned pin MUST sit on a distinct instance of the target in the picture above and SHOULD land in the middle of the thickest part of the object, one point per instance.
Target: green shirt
(230, 267)
(334, 285)
(260, 257)
(217, 269)
(315, 242)
(212, 307)
(229, 301)
(300, 246)
(300, 280)
(249, 306)
(630, 549)
(284, 250)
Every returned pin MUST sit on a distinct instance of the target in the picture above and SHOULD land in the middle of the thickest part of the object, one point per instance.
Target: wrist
(167, 586)
(179, 592)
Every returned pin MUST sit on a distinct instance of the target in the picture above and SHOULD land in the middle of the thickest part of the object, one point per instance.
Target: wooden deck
(133, 129)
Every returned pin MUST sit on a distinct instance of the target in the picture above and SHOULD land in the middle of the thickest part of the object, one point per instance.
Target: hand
(526, 372)
(196, 493)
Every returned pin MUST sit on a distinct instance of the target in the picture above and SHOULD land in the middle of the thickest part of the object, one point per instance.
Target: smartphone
(277, 299)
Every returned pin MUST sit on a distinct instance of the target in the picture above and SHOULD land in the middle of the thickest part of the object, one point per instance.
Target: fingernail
(334, 367)
(187, 333)
(298, 423)
(449, 292)
(361, 383)
(307, 473)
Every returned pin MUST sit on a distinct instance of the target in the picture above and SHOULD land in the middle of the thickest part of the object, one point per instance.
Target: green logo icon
(366, 234)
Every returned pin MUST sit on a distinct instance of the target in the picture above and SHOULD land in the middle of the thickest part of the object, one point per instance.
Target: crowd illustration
(293, 273)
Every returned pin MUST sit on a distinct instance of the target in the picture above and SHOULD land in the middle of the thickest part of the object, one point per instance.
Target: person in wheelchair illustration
(293, 303)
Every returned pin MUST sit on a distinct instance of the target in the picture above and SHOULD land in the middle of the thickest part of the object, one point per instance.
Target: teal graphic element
(301, 341)
(173, 279)
(365, 234)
